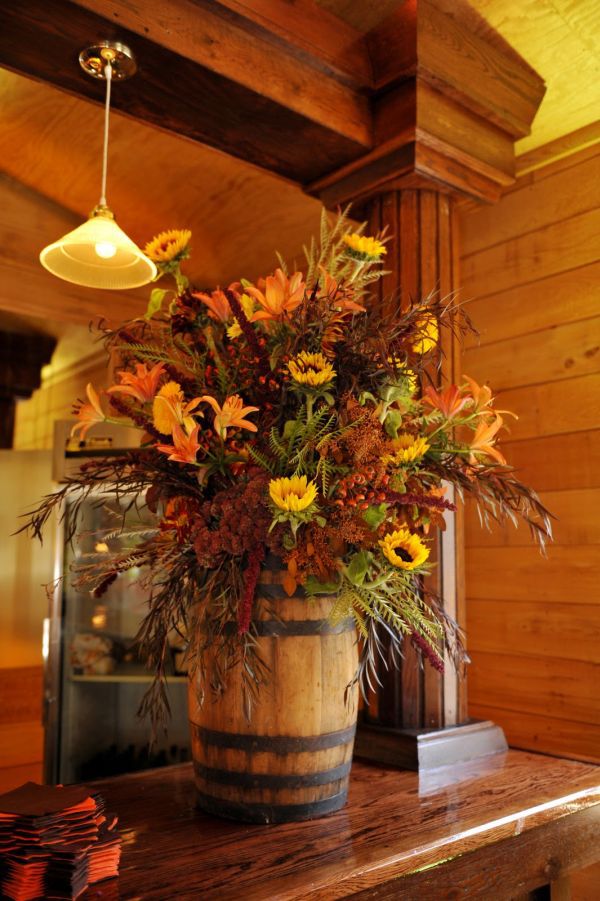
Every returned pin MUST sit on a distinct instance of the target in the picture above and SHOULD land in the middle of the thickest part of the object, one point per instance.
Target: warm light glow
(99, 617)
(101, 547)
(105, 249)
(98, 254)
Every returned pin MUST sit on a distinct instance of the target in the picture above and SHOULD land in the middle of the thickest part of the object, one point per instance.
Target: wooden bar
(501, 827)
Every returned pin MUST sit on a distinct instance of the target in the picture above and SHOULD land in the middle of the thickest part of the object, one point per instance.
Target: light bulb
(105, 249)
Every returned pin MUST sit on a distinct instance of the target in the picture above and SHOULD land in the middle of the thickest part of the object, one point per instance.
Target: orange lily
(482, 442)
(170, 410)
(481, 394)
(449, 402)
(87, 414)
(184, 448)
(217, 303)
(281, 295)
(143, 385)
(331, 289)
(230, 415)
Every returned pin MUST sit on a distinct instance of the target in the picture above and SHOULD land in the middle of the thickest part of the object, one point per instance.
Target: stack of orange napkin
(54, 842)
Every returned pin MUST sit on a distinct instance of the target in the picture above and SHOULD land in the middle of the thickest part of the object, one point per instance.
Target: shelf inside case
(130, 674)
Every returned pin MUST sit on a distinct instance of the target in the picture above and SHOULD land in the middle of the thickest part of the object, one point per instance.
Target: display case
(94, 679)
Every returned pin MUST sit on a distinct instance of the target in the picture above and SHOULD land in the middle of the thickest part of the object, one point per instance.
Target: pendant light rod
(98, 253)
(108, 77)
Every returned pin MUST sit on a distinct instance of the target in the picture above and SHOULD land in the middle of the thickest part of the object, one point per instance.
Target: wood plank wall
(21, 731)
(531, 265)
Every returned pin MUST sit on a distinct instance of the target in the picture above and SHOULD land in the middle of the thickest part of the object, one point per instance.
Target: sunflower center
(404, 555)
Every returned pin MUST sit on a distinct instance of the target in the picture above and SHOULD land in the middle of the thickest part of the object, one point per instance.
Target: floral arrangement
(288, 417)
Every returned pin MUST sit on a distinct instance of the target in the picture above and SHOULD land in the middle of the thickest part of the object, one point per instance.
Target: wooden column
(423, 258)
(449, 100)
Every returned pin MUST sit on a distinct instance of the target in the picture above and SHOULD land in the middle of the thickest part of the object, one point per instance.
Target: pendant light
(98, 254)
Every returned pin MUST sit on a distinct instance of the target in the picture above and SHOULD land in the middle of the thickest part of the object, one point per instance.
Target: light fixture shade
(98, 254)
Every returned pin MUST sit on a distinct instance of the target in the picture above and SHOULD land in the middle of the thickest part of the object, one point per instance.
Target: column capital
(449, 99)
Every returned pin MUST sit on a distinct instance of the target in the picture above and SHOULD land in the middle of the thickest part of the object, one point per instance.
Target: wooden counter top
(496, 828)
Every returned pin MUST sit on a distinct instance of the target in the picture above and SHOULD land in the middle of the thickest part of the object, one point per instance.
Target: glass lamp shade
(98, 254)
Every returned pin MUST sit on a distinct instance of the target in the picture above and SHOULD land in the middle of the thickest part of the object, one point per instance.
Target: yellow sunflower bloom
(364, 248)
(168, 246)
(405, 449)
(309, 369)
(428, 333)
(404, 549)
(292, 495)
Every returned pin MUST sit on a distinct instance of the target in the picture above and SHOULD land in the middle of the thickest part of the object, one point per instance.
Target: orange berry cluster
(357, 489)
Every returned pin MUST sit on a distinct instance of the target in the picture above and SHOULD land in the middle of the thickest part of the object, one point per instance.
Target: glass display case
(94, 679)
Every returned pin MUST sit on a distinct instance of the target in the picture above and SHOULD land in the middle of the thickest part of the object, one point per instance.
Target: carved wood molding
(431, 96)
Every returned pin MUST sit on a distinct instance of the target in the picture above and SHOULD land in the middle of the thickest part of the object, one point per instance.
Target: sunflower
(405, 449)
(293, 495)
(311, 369)
(404, 549)
(363, 248)
(169, 246)
(427, 333)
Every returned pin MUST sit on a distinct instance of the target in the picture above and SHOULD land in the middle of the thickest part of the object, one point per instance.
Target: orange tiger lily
(482, 441)
(230, 415)
(281, 295)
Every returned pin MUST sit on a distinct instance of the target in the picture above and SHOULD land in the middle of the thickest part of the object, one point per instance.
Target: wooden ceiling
(50, 155)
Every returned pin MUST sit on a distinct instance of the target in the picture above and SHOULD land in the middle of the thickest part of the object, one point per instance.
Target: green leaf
(393, 421)
(375, 515)
(358, 567)
(289, 428)
(313, 586)
(157, 296)
(390, 393)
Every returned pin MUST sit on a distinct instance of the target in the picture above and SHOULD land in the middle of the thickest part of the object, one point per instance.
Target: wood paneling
(577, 521)
(21, 694)
(21, 730)
(556, 248)
(554, 301)
(555, 408)
(558, 461)
(546, 734)
(541, 203)
(524, 625)
(531, 267)
(566, 574)
(548, 686)
(21, 744)
(546, 356)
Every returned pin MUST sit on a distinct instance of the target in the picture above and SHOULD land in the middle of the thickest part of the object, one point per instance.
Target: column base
(426, 749)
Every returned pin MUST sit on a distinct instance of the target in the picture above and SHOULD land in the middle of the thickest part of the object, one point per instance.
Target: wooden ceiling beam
(436, 96)
(207, 73)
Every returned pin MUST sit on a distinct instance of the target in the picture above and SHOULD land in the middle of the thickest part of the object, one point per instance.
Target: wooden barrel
(292, 760)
